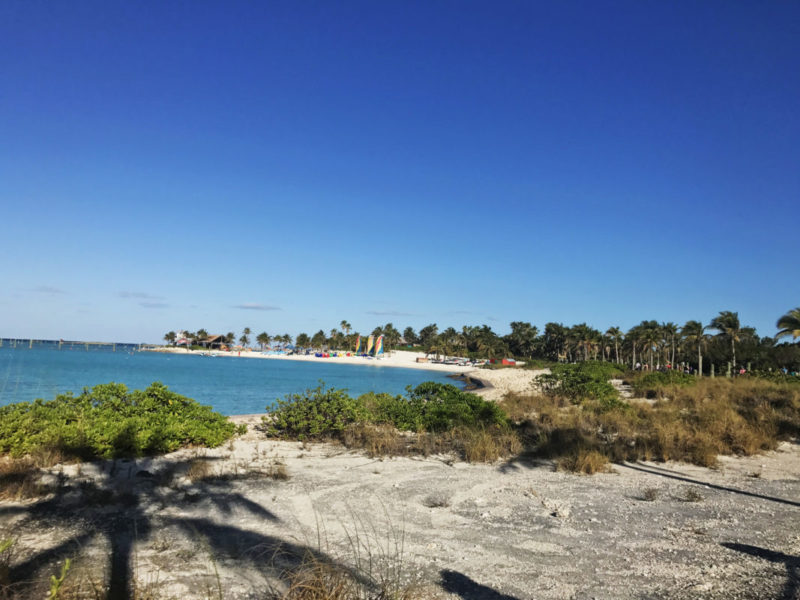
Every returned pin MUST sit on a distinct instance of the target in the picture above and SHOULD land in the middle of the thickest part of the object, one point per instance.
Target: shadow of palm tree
(132, 496)
(541, 451)
(791, 589)
(458, 583)
(663, 472)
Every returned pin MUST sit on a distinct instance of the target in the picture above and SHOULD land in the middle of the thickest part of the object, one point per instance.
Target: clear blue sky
(287, 165)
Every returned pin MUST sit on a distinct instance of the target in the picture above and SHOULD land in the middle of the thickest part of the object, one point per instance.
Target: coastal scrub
(430, 418)
(109, 421)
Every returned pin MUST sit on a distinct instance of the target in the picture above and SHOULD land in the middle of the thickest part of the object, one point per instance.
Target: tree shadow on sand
(791, 589)
(543, 453)
(119, 510)
(469, 589)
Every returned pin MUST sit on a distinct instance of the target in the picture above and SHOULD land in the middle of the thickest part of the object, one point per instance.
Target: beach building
(213, 342)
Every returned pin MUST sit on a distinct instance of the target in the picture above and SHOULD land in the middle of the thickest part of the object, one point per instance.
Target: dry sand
(510, 530)
(391, 359)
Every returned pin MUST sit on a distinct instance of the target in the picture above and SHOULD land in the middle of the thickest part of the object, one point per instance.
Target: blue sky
(284, 166)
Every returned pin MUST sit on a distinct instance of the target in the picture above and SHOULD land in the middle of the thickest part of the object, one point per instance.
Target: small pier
(30, 343)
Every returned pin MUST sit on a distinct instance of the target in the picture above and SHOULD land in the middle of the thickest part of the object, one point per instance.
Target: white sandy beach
(407, 360)
(497, 382)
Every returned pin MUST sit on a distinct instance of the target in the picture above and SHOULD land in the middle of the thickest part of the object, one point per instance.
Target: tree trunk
(733, 348)
(699, 362)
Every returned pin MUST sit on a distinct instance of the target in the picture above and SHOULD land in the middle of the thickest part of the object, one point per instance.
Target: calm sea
(231, 385)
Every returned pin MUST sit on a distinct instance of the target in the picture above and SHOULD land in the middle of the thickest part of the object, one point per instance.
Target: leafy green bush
(652, 384)
(432, 407)
(443, 406)
(578, 382)
(316, 413)
(108, 421)
(776, 376)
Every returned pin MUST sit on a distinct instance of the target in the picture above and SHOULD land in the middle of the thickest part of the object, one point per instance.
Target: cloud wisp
(255, 306)
(139, 296)
(390, 313)
(48, 289)
(153, 304)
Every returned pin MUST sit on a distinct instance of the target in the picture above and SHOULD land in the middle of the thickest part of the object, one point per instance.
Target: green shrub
(652, 384)
(582, 381)
(108, 421)
(315, 413)
(443, 407)
(776, 376)
(432, 407)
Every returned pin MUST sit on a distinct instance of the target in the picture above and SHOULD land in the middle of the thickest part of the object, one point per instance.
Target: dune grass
(692, 423)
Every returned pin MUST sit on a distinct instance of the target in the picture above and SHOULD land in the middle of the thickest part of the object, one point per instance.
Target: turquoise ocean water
(232, 385)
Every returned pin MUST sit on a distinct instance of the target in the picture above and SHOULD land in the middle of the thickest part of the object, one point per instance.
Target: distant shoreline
(401, 359)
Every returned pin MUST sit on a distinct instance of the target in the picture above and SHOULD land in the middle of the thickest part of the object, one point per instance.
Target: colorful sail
(379, 346)
(370, 344)
(358, 344)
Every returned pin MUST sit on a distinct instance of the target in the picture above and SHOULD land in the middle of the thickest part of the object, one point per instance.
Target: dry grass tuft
(377, 440)
(277, 471)
(436, 500)
(650, 494)
(316, 580)
(199, 470)
(473, 445)
(20, 479)
(587, 462)
(692, 495)
(487, 445)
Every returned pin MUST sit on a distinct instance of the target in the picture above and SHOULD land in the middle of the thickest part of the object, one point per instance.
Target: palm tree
(170, 337)
(616, 336)
(263, 339)
(670, 331)
(727, 324)
(789, 324)
(694, 334)
(318, 340)
(346, 327)
(583, 335)
(522, 339)
(410, 336)
(650, 335)
(391, 335)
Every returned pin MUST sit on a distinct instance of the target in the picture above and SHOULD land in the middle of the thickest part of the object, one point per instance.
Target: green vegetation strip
(430, 407)
(109, 421)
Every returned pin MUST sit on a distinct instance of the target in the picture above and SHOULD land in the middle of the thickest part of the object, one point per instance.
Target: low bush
(317, 413)
(776, 377)
(439, 417)
(581, 381)
(652, 385)
(108, 421)
(432, 407)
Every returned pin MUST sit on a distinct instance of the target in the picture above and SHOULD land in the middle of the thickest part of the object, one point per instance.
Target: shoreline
(489, 384)
(395, 359)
